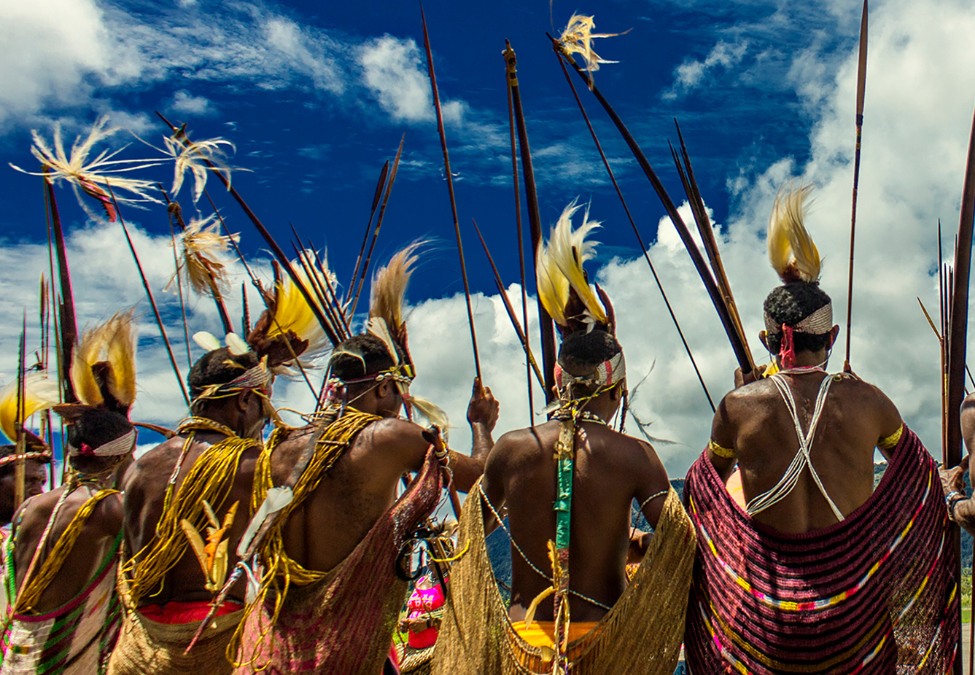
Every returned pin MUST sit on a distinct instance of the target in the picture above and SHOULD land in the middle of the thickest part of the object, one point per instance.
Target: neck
(806, 359)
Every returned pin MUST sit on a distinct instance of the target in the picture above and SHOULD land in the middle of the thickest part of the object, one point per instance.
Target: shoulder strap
(802, 459)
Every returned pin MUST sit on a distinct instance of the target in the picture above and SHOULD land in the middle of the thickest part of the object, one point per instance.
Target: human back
(611, 471)
(855, 417)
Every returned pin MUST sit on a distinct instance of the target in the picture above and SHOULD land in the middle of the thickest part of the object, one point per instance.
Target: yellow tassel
(389, 287)
(112, 342)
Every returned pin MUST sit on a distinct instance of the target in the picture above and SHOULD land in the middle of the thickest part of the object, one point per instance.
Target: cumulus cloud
(188, 104)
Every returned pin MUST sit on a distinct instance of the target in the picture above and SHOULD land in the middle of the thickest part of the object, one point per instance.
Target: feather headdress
(288, 327)
(791, 250)
(93, 176)
(388, 295)
(563, 286)
(103, 365)
(203, 248)
(40, 393)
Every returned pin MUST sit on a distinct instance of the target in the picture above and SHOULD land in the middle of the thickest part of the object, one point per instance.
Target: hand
(483, 408)
(639, 543)
(742, 379)
(953, 480)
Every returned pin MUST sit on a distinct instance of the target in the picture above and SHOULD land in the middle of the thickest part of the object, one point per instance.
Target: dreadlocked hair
(8, 450)
(95, 427)
(219, 366)
(790, 304)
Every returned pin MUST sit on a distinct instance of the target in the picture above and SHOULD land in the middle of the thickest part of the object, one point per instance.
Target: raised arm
(482, 415)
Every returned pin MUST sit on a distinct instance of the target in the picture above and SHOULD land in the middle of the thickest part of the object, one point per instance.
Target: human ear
(762, 338)
(834, 332)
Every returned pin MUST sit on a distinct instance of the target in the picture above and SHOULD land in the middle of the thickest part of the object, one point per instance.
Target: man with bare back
(330, 596)
(818, 572)
(208, 465)
(570, 600)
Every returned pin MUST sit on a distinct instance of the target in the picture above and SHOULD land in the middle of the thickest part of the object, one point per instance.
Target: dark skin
(953, 480)
(146, 482)
(753, 420)
(91, 547)
(35, 476)
(362, 484)
(616, 469)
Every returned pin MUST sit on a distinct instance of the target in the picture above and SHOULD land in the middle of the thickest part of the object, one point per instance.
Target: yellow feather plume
(791, 250)
(293, 314)
(113, 344)
(40, 393)
(577, 39)
(559, 265)
(389, 287)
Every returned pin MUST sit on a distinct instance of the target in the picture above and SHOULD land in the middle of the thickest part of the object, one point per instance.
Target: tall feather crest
(791, 250)
(562, 282)
(389, 291)
(290, 318)
(40, 393)
(103, 364)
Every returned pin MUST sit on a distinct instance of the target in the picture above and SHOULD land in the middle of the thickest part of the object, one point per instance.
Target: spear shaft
(450, 190)
(545, 325)
(636, 232)
(861, 91)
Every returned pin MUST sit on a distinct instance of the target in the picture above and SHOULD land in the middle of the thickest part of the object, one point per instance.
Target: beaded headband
(258, 377)
(606, 374)
(10, 459)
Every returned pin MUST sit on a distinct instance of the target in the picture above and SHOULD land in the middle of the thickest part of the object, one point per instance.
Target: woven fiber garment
(344, 622)
(641, 635)
(75, 639)
(874, 593)
(147, 646)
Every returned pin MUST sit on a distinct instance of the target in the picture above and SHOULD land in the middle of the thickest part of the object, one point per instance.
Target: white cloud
(185, 102)
(392, 72)
(692, 73)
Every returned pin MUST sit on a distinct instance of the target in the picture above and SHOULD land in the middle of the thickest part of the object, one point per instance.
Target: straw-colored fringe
(211, 478)
(791, 250)
(642, 633)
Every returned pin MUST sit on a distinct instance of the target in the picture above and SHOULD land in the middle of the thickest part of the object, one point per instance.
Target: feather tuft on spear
(577, 39)
(92, 176)
(202, 261)
(198, 158)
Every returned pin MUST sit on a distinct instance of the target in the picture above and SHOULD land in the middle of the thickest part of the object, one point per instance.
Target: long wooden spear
(545, 325)
(272, 244)
(69, 324)
(152, 301)
(861, 91)
(365, 238)
(958, 328)
(636, 232)
(379, 224)
(740, 350)
(522, 336)
(521, 246)
(21, 439)
(450, 190)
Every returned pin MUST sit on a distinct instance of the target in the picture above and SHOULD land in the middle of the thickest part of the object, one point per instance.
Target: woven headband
(120, 446)
(819, 322)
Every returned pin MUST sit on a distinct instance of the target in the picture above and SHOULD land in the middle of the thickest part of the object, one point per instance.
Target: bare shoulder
(520, 445)
(865, 393)
(108, 517)
(288, 450)
(159, 459)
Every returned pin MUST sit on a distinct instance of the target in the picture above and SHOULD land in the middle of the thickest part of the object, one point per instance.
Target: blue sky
(316, 101)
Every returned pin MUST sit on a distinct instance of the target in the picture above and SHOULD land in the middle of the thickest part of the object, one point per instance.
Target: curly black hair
(582, 351)
(219, 367)
(790, 304)
(95, 428)
(372, 357)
